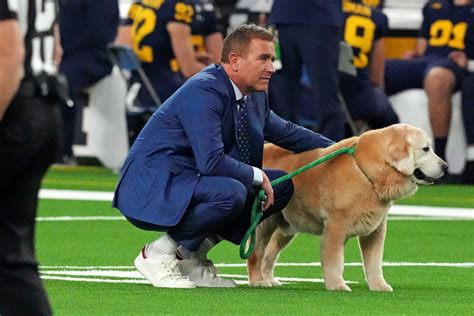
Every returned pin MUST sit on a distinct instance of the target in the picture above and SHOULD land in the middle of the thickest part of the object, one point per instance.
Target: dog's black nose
(444, 167)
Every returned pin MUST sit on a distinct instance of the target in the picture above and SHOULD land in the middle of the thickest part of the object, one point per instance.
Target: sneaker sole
(140, 268)
(217, 286)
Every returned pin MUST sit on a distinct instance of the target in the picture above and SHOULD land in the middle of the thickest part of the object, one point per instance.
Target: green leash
(257, 208)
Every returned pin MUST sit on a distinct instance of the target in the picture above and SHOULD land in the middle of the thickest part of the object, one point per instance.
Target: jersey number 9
(359, 33)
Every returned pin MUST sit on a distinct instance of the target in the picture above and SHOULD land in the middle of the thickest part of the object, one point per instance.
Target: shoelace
(173, 270)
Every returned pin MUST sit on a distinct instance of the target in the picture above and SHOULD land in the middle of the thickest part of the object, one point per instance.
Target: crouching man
(195, 168)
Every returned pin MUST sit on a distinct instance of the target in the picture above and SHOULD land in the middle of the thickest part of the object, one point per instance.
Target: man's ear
(234, 61)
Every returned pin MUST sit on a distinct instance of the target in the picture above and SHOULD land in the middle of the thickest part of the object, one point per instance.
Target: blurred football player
(436, 65)
(364, 28)
(174, 40)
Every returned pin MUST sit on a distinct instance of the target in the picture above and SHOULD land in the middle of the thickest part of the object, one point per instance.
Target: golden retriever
(347, 196)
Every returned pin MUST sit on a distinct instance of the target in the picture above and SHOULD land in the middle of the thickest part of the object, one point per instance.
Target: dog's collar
(363, 172)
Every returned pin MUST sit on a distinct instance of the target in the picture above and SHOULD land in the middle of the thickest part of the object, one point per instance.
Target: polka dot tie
(243, 135)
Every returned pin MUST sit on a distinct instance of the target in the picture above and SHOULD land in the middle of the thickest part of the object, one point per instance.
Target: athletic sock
(201, 252)
(183, 253)
(206, 246)
(440, 147)
(162, 246)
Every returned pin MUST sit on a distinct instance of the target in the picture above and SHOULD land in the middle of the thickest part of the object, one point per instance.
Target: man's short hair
(238, 40)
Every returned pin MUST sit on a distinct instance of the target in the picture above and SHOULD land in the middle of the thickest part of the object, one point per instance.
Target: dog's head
(411, 153)
(399, 157)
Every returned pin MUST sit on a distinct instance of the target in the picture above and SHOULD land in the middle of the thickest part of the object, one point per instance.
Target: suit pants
(221, 206)
(29, 143)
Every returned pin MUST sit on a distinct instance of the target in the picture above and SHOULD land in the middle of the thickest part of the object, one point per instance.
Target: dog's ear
(401, 157)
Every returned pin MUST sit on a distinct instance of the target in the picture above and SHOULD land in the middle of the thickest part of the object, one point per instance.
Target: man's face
(256, 67)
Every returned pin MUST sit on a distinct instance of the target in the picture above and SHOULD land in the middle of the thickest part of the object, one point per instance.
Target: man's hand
(267, 187)
(459, 57)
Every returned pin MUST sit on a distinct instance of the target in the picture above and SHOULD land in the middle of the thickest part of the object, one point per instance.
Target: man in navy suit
(195, 168)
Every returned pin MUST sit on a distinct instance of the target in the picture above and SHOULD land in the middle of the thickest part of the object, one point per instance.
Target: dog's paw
(378, 284)
(339, 286)
(381, 287)
(273, 282)
(268, 282)
(260, 283)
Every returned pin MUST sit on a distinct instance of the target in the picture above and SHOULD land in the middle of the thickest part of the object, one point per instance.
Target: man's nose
(270, 67)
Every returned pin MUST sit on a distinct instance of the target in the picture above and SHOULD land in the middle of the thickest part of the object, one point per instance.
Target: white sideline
(78, 218)
(400, 210)
(75, 195)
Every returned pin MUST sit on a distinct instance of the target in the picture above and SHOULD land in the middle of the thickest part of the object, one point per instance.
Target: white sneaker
(162, 272)
(203, 273)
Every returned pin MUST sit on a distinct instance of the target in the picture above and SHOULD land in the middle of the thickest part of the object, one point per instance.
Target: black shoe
(468, 173)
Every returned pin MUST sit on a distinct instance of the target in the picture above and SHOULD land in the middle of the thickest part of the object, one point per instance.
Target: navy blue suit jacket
(193, 134)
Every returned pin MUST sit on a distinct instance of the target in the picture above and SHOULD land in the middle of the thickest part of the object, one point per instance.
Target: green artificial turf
(113, 244)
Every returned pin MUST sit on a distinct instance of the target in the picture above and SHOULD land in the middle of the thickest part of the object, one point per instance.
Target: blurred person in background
(174, 40)
(29, 144)
(86, 28)
(168, 55)
(224, 9)
(438, 63)
(309, 33)
(364, 29)
(467, 104)
(468, 119)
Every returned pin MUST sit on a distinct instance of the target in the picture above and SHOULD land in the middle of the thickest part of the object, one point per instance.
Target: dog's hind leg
(371, 247)
(254, 263)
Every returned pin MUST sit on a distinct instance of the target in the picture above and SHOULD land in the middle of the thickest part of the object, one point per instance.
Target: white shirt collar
(238, 94)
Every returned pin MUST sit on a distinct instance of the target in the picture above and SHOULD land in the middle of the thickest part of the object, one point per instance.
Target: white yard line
(412, 212)
(128, 274)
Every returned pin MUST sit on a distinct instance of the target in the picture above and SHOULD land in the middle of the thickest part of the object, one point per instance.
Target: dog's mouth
(422, 178)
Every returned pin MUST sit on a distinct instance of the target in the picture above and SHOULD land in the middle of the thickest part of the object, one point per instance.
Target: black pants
(29, 138)
(317, 48)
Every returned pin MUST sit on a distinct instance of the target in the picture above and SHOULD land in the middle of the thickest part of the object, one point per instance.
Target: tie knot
(241, 101)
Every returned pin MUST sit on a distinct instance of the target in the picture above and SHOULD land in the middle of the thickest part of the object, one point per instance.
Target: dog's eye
(426, 149)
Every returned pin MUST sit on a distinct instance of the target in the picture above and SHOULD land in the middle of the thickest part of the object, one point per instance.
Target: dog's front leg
(332, 257)
(372, 254)
(254, 263)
